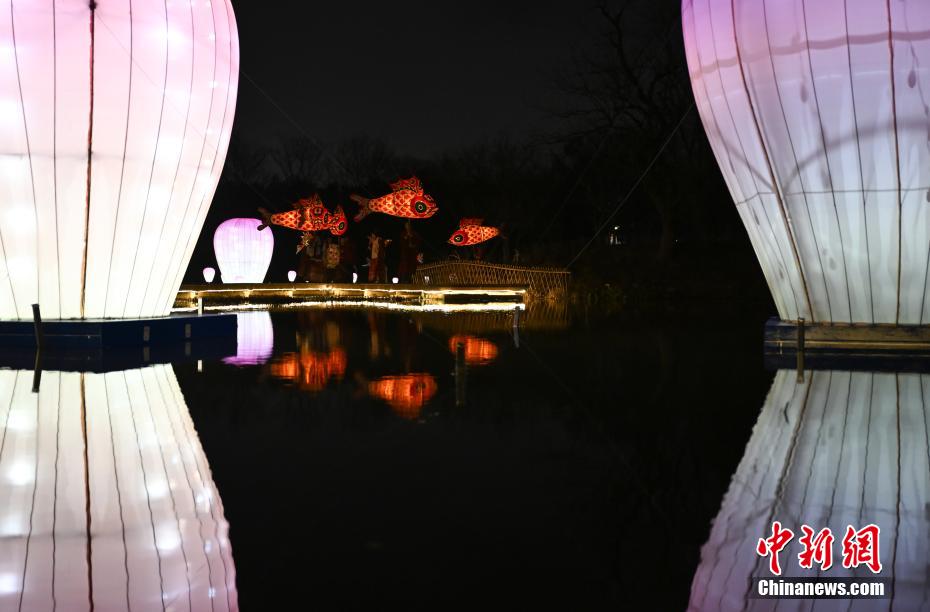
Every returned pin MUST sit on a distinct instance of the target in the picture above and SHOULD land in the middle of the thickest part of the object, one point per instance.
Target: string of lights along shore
(116, 117)
(818, 114)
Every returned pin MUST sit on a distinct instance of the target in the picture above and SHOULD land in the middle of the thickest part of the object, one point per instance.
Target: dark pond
(362, 460)
(582, 469)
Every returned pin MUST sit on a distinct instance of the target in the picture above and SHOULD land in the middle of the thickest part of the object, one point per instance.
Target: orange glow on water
(405, 394)
(311, 371)
(478, 351)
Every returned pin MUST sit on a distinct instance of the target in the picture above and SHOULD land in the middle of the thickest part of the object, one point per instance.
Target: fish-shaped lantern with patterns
(471, 232)
(308, 215)
(407, 199)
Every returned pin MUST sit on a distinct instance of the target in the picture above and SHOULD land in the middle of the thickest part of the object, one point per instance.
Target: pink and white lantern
(107, 230)
(818, 112)
(209, 274)
(291, 276)
(254, 339)
(144, 486)
(242, 251)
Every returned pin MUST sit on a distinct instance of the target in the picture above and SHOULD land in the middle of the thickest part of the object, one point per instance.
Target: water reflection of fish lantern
(311, 371)
(478, 351)
(406, 394)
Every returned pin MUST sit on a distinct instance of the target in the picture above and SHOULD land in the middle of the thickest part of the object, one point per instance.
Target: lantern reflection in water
(254, 339)
(838, 449)
(310, 370)
(116, 510)
(406, 394)
(478, 351)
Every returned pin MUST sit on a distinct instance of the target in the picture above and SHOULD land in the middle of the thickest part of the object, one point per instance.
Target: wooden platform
(783, 336)
(219, 296)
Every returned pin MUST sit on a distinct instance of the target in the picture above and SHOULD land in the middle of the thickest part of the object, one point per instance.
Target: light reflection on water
(107, 499)
(569, 452)
(837, 448)
(254, 339)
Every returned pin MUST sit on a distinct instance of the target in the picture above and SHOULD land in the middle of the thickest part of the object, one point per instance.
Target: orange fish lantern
(308, 215)
(478, 351)
(405, 394)
(407, 199)
(471, 232)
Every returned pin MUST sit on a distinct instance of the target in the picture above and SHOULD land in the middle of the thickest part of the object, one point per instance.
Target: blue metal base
(98, 334)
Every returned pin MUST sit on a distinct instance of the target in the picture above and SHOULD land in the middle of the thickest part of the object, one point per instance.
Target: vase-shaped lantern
(116, 119)
(117, 451)
(818, 113)
(242, 251)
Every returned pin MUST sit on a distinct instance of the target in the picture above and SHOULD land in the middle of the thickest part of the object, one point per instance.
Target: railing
(547, 283)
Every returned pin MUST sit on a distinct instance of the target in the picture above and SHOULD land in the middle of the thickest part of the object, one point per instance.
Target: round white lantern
(817, 114)
(242, 251)
(291, 276)
(209, 274)
(115, 124)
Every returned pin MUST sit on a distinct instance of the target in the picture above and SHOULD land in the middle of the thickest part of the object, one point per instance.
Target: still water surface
(344, 457)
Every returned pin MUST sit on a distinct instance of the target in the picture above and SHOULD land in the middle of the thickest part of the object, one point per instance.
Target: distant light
(21, 473)
(291, 276)
(354, 277)
(426, 279)
(9, 583)
(616, 227)
(200, 365)
(395, 280)
(209, 274)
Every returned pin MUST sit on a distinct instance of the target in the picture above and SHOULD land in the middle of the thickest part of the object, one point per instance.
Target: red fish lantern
(308, 215)
(407, 199)
(471, 232)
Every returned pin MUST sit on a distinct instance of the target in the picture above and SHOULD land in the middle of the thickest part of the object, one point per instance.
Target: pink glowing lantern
(116, 118)
(254, 338)
(291, 276)
(242, 251)
(209, 274)
(817, 113)
(46, 544)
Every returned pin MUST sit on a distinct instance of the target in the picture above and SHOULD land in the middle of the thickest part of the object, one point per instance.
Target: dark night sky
(423, 76)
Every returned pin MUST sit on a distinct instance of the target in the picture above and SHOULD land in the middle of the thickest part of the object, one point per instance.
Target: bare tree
(629, 93)
(296, 159)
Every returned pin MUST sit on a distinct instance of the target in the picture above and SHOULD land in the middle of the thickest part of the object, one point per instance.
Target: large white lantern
(818, 114)
(836, 449)
(115, 122)
(97, 469)
(242, 251)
